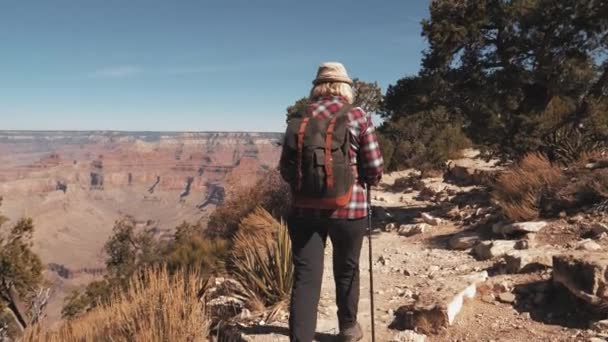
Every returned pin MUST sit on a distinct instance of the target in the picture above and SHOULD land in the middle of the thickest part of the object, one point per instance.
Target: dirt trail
(407, 266)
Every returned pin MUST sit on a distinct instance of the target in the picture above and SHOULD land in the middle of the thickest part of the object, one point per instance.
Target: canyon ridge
(75, 185)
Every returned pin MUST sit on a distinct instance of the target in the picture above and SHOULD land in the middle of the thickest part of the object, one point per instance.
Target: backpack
(316, 161)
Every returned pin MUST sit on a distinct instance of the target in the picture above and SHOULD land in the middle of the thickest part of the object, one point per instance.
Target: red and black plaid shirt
(364, 149)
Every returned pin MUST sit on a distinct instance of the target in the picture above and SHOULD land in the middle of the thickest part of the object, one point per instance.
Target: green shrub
(424, 140)
(191, 250)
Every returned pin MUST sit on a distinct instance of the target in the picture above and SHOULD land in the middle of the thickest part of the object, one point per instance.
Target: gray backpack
(315, 160)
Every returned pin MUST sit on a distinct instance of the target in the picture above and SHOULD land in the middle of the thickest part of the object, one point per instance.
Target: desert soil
(405, 266)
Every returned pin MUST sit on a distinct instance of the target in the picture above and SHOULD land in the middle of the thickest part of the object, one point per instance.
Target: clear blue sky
(189, 65)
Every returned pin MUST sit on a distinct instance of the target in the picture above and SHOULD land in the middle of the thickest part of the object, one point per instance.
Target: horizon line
(129, 131)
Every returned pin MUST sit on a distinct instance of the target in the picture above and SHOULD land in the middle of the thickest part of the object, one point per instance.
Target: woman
(345, 226)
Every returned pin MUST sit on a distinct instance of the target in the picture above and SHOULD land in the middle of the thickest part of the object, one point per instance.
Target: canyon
(75, 185)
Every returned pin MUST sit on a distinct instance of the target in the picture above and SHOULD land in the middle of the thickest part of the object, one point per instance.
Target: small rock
(382, 260)
(488, 298)
(412, 229)
(390, 227)
(506, 297)
(502, 287)
(408, 336)
(245, 314)
(434, 268)
(575, 219)
(600, 326)
(526, 315)
(588, 245)
(428, 219)
(596, 339)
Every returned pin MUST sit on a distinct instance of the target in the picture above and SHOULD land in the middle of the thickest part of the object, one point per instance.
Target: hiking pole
(371, 272)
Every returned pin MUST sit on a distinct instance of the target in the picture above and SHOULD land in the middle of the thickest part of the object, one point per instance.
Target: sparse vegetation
(537, 187)
(521, 190)
(262, 263)
(190, 249)
(269, 192)
(131, 251)
(158, 306)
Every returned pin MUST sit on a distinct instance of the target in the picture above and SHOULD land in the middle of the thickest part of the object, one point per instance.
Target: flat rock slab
(464, 241)
(522, 260)
(584, 274)
(436, 308)
(519, 227)
(486, 250)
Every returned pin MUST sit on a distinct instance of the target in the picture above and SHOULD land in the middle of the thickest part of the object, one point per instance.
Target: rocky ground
(447, 269)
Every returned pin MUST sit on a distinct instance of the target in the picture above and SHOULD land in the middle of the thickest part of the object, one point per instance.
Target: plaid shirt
(364, 149)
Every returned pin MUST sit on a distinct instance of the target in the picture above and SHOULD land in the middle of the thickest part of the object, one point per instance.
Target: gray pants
(308, 238)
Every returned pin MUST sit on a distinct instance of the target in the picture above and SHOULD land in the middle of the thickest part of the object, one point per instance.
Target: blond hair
(332, 89)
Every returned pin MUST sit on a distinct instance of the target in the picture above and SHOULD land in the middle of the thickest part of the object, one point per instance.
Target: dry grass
(254, 231)
(269, 192)
(520, 190)
(263, 262)
(156, 307)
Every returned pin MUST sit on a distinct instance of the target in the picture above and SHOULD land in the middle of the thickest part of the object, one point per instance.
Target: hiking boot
(351, 334)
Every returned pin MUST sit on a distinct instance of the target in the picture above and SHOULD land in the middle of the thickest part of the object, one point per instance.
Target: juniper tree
(20, 267)
(523, 74)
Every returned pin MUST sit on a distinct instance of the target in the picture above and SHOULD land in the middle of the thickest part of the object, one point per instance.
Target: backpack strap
(329, 134)
(301, 132)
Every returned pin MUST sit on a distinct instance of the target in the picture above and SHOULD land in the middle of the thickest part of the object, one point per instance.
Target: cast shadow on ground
(550, 303)
(266, 330)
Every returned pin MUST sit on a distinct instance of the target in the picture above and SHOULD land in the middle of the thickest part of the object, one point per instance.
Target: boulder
(584, 274)
(519, 227)
(522, 260)
(434, 309)
(492, 249)
(464, 241)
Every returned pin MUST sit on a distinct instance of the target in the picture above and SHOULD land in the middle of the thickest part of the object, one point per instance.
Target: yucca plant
(266, 273)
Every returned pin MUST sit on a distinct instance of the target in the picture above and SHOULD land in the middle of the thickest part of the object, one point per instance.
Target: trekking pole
(371, 272)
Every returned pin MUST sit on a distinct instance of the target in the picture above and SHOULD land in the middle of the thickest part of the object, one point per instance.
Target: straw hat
(332, 72)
